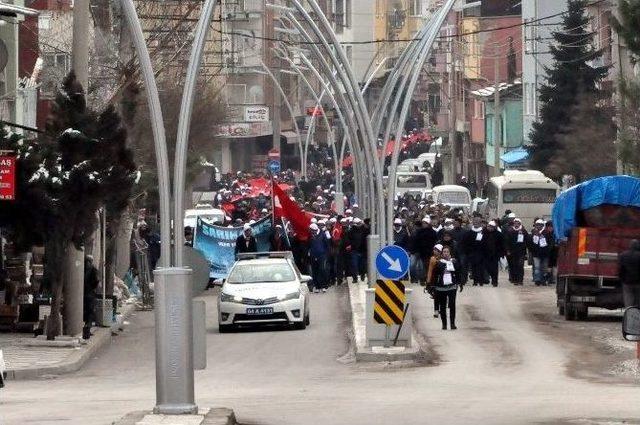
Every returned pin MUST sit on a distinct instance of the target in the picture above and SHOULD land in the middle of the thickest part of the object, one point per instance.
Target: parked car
(264, 288)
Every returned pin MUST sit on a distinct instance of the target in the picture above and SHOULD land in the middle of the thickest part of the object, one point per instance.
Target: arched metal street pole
(363, 125)
(173, 288)
(303, 165)
(440, 17)
(184, 125)
(157, 127)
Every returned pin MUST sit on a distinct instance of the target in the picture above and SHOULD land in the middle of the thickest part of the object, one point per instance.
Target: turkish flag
(285, 207)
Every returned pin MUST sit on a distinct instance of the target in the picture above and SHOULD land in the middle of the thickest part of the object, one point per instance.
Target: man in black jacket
(516, 245)
(494, 250)
(246, 242)
(629, 273)
(424, 239)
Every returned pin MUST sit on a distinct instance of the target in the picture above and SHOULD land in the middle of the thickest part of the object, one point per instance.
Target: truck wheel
(582, 312)
(570, 311)
(561, 309)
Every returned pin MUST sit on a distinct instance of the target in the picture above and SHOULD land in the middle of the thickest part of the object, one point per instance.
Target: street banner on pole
(7, 178)
(218, 243)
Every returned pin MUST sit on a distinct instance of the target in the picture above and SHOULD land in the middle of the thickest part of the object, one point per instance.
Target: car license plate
(260, 310)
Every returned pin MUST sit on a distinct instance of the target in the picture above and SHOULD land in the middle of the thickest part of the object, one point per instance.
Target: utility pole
(80, 48)
(74, 263)
(453, 112)
(497, 133)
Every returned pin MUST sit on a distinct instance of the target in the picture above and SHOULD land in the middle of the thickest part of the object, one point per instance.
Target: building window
(348, 11)
(415, 8)
(338, 16)
(61, 61)
(44, 21)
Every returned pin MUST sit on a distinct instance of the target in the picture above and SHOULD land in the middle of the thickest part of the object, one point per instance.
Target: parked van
(414, 183)
(206, 212)
(452, 196)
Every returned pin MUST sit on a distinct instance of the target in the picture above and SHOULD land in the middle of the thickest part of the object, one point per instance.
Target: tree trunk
(55, 252)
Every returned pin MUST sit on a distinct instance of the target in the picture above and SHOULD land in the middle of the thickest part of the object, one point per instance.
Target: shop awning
(515, 156)
(291, 136)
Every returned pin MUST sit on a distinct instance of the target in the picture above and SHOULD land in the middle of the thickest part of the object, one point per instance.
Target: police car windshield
(261, 273)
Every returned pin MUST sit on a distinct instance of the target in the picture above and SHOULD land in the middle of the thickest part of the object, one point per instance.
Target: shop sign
(7, 178)
(244, 129)
(256, 113)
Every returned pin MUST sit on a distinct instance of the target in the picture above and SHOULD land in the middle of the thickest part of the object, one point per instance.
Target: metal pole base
(373, 246)
(174, 341)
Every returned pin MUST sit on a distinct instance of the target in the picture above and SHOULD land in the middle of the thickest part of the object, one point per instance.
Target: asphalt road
(497, 368)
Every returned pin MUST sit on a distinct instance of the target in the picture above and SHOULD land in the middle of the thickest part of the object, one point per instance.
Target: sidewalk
(28, 358)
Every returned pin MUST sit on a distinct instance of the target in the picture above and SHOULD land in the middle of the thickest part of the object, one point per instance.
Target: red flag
(285, 207)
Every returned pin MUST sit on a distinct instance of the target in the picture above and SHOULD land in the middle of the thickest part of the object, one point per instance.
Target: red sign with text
(7, 178)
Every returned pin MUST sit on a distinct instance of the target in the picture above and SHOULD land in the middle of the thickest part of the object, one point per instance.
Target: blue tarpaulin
(515, 156)
(611, 190)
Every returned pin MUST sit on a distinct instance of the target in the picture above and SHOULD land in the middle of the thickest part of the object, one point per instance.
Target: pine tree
(629, 88)
(570, 75)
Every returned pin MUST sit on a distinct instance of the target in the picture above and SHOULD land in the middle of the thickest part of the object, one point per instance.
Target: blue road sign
(392, 262)
(273, 166)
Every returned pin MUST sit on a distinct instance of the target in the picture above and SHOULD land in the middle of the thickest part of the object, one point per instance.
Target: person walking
(356, 247)
(318, 255)
(474, 247)
(431, 275)
(494, 250)
(516, 245)
(447, 282)
(540, 250)
(629, 274)
(423, 241)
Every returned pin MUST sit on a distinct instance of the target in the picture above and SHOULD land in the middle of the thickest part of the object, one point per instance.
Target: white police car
(264, 288)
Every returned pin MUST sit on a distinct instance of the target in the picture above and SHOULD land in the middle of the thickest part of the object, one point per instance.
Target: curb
(100, 338)
(217, 416)
(366, 354)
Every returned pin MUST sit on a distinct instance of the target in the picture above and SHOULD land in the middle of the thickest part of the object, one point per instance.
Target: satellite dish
(4, 56)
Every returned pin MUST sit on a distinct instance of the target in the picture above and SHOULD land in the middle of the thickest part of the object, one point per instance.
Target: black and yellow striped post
(388, 307)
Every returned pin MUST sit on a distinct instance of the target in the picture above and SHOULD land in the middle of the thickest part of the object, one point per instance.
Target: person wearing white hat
(246, 242)
(430, 287)
(355, 247)
(473, 245)
(422, 242)
(540, 246)
(314, 220)
(279, 241)
(319, 247)
(400, 234)
(516, 243)
(494, 250)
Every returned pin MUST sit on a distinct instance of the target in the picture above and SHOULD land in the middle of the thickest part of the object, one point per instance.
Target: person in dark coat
(246, 242)
(494, 250)
(540, 247)
(279, 241)
(629, 274)
(319, 246)
(424, 239)
(400, 234)
(91, 282)
(516, 245)
(356, 246)
(447, 281)
(474, 247)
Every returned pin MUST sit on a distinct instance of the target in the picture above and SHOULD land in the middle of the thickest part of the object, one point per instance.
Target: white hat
(252, 222)
(539, 221)
(426, 219)
(512, 215)
(322, 222)
(355, 205)
(492, 224)
(438, 247)
(264, 210)
(246, 226)
(314, 220)
(326, 191)
(319, 198)
(517, 219)
(293, 198)
(448, 220)
(348, 211)
(357, 220)
(278, 226)
(344, 220)
(314, 226)
(404, 209)
(397, 221)
(333, 220)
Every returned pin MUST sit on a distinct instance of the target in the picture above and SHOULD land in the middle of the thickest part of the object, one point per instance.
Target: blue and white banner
(218, 243)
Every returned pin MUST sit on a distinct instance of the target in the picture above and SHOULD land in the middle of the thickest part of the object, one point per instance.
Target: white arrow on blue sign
(392, 262)
(273, 166)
